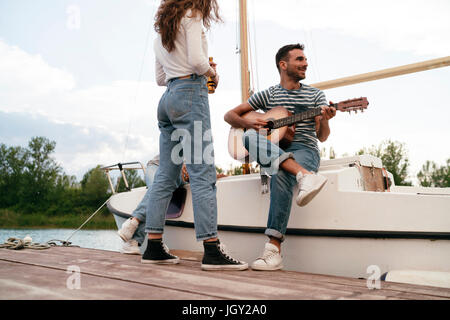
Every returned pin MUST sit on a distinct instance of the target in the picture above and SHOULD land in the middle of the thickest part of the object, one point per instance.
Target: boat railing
(122, 167)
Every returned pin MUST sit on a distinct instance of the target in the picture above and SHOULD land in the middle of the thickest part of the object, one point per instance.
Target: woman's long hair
(170, 13)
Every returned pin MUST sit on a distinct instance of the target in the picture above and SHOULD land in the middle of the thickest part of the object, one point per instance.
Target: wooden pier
(61, 273)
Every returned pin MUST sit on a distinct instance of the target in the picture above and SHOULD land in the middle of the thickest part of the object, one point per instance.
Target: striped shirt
(295, 101)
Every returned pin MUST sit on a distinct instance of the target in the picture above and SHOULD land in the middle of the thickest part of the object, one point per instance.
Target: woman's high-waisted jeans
(185, 134)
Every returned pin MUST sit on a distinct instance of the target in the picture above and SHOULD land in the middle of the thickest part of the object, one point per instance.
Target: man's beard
(294, 75)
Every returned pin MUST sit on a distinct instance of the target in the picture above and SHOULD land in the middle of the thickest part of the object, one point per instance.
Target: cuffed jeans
(269, 156)
(185, 134)
(141, 210)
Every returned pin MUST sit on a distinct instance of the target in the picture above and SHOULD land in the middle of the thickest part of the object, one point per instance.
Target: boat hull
(342, 232)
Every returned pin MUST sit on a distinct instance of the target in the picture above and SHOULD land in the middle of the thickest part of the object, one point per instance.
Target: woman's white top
(190, 55)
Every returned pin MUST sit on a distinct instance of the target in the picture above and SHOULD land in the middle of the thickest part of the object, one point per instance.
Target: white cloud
(115, 122)
(122, 113)
(29, 84)
(22, 72)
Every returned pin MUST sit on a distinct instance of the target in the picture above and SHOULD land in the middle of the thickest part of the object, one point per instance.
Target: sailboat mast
(245, 73)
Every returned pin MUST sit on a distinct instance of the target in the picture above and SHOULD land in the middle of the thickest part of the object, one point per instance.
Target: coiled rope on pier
(18, 244)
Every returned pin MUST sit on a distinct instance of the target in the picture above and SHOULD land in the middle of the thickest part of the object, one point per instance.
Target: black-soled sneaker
(158, 253)
(216, 258)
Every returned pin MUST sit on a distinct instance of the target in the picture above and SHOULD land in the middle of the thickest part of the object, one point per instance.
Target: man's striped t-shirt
(296, 101)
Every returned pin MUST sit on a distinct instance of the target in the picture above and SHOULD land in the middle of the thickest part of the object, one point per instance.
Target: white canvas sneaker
(128, 229)
(270, 259)
(309, 186)
(130, 247)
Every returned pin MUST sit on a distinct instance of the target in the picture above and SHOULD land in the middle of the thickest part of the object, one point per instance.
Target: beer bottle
(211, 84)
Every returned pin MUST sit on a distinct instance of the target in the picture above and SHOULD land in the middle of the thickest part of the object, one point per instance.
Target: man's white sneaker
(130, 247)
(128, 229)
(309, 186)
(270, 259)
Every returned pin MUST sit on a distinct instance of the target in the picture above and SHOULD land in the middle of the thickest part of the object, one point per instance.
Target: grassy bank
(15, 220)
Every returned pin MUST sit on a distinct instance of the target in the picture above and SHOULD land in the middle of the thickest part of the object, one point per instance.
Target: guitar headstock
(352, 105)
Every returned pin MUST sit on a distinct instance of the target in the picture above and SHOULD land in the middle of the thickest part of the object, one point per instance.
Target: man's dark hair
(283, 53)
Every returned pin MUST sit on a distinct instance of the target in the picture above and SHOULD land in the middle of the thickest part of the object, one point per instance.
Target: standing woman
(182, 64)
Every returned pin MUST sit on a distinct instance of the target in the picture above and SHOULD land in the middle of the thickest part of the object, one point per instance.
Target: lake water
(96, 239)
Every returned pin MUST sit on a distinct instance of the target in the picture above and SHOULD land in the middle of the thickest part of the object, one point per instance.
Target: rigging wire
(316, 62)
(309, 48)
(238, 46)
(254, 58)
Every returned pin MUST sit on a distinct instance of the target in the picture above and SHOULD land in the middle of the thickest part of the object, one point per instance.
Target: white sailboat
(360, 222)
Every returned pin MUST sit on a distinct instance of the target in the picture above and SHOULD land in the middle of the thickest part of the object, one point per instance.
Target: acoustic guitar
(281, 125)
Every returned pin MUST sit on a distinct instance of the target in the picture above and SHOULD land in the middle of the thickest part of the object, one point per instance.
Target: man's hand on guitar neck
(322, 127)
(328, 112)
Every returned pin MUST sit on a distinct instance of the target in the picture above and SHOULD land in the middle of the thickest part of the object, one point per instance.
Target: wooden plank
(107, 256)
(237, 283)
(19, 281)
(386, 73)
(188, 280)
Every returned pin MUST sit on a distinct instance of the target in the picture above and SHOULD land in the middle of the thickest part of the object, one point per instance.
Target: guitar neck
(288, 121)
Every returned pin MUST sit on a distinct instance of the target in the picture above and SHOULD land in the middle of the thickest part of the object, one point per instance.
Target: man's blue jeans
(270, 156)
(185, 134)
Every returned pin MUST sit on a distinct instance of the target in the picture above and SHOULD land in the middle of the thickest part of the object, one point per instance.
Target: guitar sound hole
(270, 124)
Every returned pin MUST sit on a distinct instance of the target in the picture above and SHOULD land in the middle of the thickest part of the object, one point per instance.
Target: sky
(81, 73)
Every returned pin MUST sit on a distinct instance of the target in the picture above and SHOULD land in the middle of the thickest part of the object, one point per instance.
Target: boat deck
(43, 274)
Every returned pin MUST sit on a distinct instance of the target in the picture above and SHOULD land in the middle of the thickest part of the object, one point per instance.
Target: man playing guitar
(299, 162)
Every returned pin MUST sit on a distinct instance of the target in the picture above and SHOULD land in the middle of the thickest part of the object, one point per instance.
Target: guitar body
(282, 136)
(282, 124)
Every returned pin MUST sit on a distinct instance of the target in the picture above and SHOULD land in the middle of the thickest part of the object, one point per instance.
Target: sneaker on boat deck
(216, 258)
(270, 259)
(130, 247)
(158, 253)
(309, 186)
(128, 229)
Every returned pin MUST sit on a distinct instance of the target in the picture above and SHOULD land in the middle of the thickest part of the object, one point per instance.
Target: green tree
(432, 175)
(134, 180)
(13, 162)
(394, 156)
(41, 175)
(94, 187)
